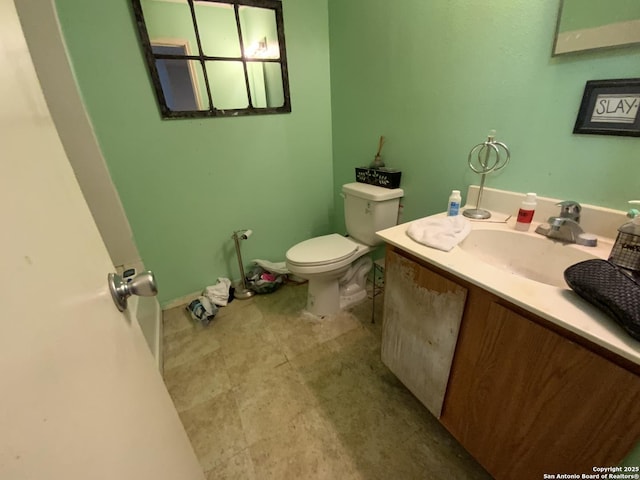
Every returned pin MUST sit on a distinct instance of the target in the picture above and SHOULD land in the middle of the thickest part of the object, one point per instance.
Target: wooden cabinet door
(525, 401)
(422, 315)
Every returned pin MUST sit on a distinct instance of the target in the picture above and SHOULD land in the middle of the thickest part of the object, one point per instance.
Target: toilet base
(347, 301)
(327, 296)
(323, 296)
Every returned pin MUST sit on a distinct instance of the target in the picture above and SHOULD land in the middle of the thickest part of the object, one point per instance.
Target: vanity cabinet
(524, 397)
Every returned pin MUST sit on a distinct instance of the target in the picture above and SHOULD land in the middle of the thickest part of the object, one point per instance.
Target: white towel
(442, 233)
(273, 267)
(218, 294)
(208, 306)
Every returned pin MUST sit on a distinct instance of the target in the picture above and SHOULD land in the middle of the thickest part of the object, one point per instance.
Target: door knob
(143, 284)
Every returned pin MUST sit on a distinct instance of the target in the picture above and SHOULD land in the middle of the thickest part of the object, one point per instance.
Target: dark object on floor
(261, 281)
(609, 288)
(202, 310)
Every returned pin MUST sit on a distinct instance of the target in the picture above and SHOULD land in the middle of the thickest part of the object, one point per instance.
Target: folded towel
(218, 294)
(442, 233)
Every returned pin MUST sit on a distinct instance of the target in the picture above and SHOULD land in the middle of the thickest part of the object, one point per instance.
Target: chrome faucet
(570, 209)
(566, 227)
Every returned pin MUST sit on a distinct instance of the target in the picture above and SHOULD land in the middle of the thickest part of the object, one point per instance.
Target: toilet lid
(322, 250)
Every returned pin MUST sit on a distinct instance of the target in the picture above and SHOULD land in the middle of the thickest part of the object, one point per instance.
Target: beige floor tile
(197, 381)
(348, 365)
(238, 467)
(215, 431)
(372, 414)
(267, 403)
(334, 326)
(360, 345)
(362, 312)
(434, 453)
(325, 375)
(288, 300)
(357, 410)
(251, 354)
(266, 391)
(254, 363)
(176, 319)
(237, 318)
(302, 332)
(296, 334)
(305, 447)
(188, 345)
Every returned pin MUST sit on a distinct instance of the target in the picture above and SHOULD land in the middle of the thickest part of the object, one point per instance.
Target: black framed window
(215, 58)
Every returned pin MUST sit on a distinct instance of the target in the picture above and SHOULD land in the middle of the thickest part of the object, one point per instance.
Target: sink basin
(534, 257)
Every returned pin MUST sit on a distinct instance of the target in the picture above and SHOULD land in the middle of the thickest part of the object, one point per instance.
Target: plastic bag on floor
(202, 310)
(261, 281)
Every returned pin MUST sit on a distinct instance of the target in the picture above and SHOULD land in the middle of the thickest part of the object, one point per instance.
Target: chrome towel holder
(242, 291)
(483, 159)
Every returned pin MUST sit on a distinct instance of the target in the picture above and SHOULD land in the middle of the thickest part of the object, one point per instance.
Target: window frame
(209, 109)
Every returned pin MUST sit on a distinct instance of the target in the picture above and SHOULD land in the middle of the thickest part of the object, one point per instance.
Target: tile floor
(268, 392)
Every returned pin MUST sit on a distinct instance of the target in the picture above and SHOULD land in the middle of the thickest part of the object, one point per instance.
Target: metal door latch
(143, 284)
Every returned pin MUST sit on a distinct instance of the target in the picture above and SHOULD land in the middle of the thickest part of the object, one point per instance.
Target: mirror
(215, 58)
(594, 24)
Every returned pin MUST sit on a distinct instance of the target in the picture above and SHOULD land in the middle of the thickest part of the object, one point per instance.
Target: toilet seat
(323, 250)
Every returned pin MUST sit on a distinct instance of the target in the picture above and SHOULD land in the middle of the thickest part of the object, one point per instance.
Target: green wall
(186, 185)
(434, 77)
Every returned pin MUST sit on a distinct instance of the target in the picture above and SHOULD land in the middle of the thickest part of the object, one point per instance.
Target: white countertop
(560, 306)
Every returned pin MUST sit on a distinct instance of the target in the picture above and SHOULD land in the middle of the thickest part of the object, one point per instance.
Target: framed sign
(610, 107)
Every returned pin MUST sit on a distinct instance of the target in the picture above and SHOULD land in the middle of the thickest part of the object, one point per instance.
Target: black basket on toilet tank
(380, 177)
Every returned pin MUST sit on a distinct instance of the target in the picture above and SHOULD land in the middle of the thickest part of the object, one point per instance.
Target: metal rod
(244, 279)
(482, 177)
(245, 292)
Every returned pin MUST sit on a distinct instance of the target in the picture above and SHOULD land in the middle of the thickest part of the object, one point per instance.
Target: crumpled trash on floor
(260, 280)
(220, 293)
(202, 310)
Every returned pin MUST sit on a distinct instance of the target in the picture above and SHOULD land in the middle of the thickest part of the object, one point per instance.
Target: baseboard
(180, 301)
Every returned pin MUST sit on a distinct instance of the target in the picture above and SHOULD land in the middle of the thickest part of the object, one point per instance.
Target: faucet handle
(570, 209)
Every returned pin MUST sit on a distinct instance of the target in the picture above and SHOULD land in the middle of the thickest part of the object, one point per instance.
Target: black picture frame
(610, 107)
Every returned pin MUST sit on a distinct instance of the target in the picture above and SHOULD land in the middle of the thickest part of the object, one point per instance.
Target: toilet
(336, 266)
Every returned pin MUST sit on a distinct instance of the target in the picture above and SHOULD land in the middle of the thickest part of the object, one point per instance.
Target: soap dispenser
(626, 251)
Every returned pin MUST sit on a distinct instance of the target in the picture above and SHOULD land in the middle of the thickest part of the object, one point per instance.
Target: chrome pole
(242, 291)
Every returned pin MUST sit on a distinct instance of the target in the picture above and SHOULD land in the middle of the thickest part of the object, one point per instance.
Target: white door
(80, 396)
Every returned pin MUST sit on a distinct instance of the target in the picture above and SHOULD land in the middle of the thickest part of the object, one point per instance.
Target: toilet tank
(368, 208)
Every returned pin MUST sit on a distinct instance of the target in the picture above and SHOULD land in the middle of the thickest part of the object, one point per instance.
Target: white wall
(40, 24)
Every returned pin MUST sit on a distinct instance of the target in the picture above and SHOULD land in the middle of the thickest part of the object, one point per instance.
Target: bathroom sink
(534, 257)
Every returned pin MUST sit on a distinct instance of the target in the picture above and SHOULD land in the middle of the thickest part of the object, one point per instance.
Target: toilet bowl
(336, 268)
